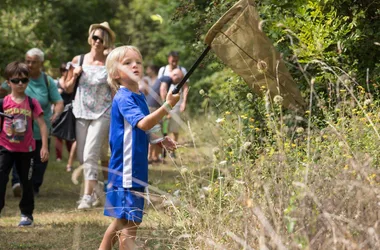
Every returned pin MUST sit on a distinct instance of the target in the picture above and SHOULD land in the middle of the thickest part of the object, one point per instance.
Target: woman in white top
(91, 106)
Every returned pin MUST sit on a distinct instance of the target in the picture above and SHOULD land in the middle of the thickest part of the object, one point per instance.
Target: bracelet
(167, 106)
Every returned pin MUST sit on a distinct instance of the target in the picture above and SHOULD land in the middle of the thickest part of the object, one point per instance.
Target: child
(128, 169)
(16, 138)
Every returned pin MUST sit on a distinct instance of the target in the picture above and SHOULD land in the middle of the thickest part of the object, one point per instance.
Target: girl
(128, 168)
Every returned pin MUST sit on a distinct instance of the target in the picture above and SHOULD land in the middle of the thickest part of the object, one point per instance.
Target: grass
(59, 225)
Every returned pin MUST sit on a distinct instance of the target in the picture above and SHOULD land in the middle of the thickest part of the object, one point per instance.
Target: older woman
(42, 88)
(91, 106)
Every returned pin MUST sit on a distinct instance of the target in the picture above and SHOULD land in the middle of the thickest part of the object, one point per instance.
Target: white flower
(184, 170)
(176, 193)
(246, 145)
(222, 163)
(219, 120)
(201, 92)
(300, 130)
(230, 141)
(367, 102)
(278, 99)
(262, 66)
(249, 96)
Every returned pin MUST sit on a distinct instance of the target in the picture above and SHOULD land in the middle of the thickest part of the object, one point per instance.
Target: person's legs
(39, 167)
(96, 132)
(6, 161)
(16, 187)
(121, 230)
(58, 148)
(24, 165)
(70, 161)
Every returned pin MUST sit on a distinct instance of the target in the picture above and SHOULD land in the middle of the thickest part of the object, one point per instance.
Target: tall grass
(289, 181)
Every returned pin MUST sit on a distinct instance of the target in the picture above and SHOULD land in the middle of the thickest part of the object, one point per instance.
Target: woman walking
(91, 106)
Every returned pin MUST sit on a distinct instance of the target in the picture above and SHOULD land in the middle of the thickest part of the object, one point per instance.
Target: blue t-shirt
(37, 89)
(153, 98)
(128, 167)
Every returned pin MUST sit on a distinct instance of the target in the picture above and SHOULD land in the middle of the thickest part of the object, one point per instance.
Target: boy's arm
(154, 118)
(44, 153)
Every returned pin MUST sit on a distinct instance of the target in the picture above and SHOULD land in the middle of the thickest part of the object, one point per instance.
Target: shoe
(68, 168)
(98, 194)
(16, 188)
(26, 221)
(58, 160)
(85, 202)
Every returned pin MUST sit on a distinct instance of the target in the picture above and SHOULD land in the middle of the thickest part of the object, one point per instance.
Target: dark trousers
(39, 169)
(23, 163)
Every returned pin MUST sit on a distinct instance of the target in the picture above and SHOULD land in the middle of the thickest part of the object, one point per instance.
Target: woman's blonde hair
(107, 41)
(112, 62)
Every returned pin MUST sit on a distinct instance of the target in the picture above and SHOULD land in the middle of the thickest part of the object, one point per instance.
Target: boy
(16, 138)
(128, 168)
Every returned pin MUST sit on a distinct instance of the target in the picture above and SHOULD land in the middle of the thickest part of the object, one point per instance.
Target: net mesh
(238, 41)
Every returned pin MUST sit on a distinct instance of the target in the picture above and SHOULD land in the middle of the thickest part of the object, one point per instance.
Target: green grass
(59, 225)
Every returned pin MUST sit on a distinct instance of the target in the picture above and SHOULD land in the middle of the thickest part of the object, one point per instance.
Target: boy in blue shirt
(128, 168)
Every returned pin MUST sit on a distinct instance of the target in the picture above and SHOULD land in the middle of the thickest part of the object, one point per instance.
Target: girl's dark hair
(62, 68)
(154, 68)
(16, 68)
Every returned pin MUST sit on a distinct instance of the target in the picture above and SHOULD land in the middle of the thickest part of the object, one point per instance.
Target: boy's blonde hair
(112, 62)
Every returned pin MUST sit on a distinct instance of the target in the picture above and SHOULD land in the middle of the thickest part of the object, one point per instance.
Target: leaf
(157, 18)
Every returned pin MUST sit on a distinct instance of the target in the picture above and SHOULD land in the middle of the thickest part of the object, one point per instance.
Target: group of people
(110, 105)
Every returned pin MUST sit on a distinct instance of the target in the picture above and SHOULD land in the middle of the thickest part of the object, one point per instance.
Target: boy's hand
(44, 153)
(172, 99)
(169, 144)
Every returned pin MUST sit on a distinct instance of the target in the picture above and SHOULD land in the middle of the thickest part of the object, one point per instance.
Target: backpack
(31, 105)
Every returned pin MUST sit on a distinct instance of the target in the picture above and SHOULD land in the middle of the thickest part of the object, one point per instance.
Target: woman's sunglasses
(18, 80)
(96, 38)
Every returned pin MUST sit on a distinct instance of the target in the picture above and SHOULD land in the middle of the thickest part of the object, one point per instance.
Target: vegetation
(255, 176)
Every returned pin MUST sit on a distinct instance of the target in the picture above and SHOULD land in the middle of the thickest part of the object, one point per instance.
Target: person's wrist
(167, 106)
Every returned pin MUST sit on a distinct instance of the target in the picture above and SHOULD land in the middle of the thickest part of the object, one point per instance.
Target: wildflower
(294, 145)
(251, 126)
(246, 145)
(367, 102)
(345, 167)
(244, 117)
(201, 92)
(222, 163)
(262, 66)
(300, 130)
(257, 129)
(216, 151)
(219, 120)
(278, 99)
(249, 96)
(227, 113)
(184, 170)
(251, 119)
(230, 141)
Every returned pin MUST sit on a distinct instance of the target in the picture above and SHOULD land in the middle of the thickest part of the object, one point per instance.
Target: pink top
(17, 134)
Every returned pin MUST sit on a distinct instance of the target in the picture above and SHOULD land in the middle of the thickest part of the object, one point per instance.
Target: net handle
(188, 74)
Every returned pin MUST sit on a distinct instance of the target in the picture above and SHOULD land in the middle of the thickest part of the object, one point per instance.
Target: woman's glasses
(96, 38)
(18, 80)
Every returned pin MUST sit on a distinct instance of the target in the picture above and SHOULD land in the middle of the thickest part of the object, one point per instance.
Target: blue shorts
(125, 203)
